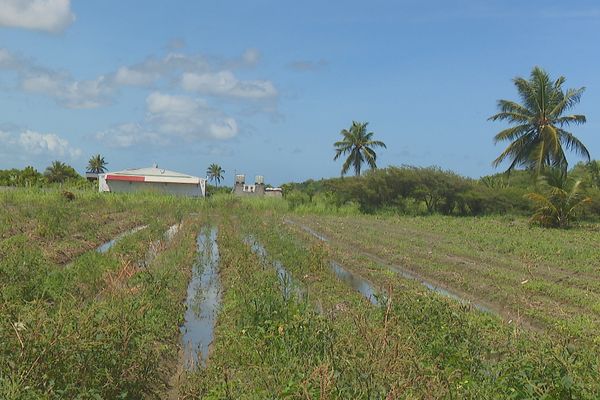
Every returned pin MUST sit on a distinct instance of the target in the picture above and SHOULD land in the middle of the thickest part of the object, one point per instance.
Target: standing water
(288, 287)
(103, 248)
(203, 298)
(355, 281)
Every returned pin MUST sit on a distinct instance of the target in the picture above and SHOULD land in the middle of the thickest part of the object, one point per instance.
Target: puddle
(356, 282)
(308, 229)
(288, 288)
(400, 271)
(203, 298)
(155, 246)
(103, 248)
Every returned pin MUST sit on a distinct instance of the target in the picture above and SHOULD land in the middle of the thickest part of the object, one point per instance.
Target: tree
(60, 172)
(215, 173)
(559, 205)
(97, 165)
(359, 145)
(538, 135)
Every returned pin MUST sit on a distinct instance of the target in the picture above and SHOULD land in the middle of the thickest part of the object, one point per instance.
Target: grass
(546, 276)
(108, 317)
(114, 317)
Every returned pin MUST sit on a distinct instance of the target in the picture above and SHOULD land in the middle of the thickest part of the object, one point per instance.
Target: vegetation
(538, 135)
(59, 172)
(27, 177)
(559, 205)
(110, 317)
(114, 317)
(97, 164)
(358, 144)
(215, 173)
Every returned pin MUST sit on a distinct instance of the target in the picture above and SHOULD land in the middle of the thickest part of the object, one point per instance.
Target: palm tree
(215, 173)
(59, 172)
(359, 144)
(559, 205)
(97, 165)
(538, 135)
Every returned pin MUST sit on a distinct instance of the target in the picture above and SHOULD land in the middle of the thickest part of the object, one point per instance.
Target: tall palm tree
(215, 173)
(359, 145)
(97, 165)
(538, 135)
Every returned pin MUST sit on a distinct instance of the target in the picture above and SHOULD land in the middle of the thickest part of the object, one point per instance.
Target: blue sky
(264, 87)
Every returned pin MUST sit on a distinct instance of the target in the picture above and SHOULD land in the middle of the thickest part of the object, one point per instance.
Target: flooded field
(188, 305)
(202, 302)
(104, 247)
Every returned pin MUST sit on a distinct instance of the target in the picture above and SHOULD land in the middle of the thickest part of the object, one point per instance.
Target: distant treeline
(419, 191)
(56, 173)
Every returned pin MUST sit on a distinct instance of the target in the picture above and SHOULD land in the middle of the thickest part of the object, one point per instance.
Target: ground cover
(549, 277)
(104, 325)
(414, 345)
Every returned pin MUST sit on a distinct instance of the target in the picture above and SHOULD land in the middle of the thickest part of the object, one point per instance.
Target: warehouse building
(152, 179)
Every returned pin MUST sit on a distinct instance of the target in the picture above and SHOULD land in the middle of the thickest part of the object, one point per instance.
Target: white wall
(178, 189)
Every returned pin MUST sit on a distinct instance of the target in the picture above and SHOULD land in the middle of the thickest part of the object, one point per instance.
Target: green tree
(97, 165)
(59, 172)
(538, 137)
(559, 204)
(215, 173)
(358, 144)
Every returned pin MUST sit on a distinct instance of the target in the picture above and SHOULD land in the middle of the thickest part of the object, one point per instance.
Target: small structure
(242, 189)
(274, 192)
(152, 179)
(91, 176)
(258, 189)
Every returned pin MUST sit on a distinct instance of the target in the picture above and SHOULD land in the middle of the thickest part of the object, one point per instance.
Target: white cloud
(130, 134)
(38, 144)
(251, 57)
(172, 117)
(68, 92)
(224, 83)
(44, 15)
(188, 117)
(134, 77)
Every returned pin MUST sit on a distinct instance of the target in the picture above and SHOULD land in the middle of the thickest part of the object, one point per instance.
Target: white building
(152, 179)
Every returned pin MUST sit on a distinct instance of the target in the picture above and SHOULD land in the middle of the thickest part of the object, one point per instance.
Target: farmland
(78, 323)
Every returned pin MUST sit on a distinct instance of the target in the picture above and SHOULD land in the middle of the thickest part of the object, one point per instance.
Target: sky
(264, 87)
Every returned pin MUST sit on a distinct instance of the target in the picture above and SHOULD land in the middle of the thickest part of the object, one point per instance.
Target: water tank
(260, 180)
(240, 179)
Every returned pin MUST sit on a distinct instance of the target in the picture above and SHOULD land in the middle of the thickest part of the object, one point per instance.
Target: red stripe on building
(125, 178)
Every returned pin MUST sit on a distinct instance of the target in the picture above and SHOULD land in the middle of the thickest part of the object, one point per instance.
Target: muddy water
(403, 273)
(103, 248)
(356, 282)
(203, 298)
(288, 287)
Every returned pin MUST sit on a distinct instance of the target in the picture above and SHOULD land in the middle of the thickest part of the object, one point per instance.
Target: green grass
(545, 275)
(101, 325)
(78, 324)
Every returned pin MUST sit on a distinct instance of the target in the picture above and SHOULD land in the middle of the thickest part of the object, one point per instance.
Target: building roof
(152, 174)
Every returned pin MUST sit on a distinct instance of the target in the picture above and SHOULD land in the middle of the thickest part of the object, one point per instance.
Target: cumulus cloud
(134, 77)
(251, 57)
(130, 134)
(38, 144)
(43, 15)
(224, 83)
(69, 92)
(170, 118)
(188, 117)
